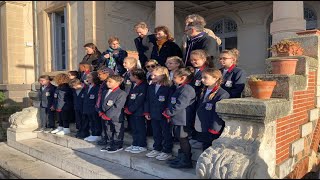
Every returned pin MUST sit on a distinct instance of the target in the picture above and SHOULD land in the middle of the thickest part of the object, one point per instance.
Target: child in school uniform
(63, 103)
(234, 78)
(179, 112)
(46, 96)
(85, 69)
(156, 102)
(134, 110)
(113, 102)
(207, 122)
(73, 75)
(174, 63)
(130, 63)
(91, 120)
(103, 74)
(150, 65)
(78, 96)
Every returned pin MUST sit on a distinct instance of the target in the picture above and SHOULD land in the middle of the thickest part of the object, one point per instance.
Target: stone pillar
(288, 19)
(165, 14)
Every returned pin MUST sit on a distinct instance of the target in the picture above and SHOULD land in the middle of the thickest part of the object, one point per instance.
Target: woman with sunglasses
(150, 65)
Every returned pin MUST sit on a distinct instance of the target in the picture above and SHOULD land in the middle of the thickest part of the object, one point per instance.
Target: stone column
(165, 14)
(288, 19)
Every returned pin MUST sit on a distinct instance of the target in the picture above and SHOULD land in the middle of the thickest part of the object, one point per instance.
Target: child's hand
(105, 117)
(127, 111)
(52, 108)
(147, 117)
(107, 56)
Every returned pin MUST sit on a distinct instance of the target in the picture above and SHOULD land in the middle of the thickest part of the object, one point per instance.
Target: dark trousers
(182, 133)
(78, 118)
(47, 118)
(91, 122)
(64, 118)
(116, 133)
(138, 130)
(149, 128)
(162, 136)
(104, 130)
(206, 138)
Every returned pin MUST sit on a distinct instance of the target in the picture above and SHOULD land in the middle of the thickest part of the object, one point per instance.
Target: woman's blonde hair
(215, 73)
(202, 54)
(141, 25)
(176, 59)
(135, 61)
(164, 72)
(165, 30)
(61, 78)
(233, 52)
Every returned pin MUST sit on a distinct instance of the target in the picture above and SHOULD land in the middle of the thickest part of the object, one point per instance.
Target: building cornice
(19, 3)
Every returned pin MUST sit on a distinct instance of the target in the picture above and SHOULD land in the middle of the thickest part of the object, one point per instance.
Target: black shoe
(113, 149)
(185, 162)
(175, 160)
(105, 149)
(102, 142)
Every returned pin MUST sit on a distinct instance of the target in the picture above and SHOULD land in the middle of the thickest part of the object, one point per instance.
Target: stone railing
(274, 138)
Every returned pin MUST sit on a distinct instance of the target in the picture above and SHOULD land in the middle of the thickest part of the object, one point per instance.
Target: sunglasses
(152, 66)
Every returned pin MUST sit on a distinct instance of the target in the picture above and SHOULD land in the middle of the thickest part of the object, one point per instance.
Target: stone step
(87, 161)
(196, 152)
(23, 166)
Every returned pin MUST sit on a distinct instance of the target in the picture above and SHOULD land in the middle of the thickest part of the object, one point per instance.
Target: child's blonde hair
(152, 61)
(135, 61)
(235, 53)
(165, 75)
(215, 73)
(176, 59)
(202, 54)
(61, 78)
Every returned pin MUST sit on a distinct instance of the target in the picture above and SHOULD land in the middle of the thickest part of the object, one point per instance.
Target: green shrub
(2, 98)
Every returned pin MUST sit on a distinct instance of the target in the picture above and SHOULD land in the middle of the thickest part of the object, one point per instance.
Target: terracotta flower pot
(284, 66)
(262, 89)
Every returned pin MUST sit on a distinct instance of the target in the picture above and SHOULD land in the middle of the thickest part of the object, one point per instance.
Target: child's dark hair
(140, 74)
(117, 78)
(215, 73)
(73, 73)
(203, 55)
(75, 81)
(92, 46)
(46, 77)
(95, 77)
(187, 71)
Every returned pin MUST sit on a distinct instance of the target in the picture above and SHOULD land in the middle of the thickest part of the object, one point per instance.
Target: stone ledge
(313, 114)
(254, 109)
(296, 147)
(284, 168)
(15, 87)
(306, 129)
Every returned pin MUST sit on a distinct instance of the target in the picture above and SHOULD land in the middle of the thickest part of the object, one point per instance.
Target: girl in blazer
(150, 65)
(174, 63)
(134, 111)
(234, 78)
(207, 122)
(156, 102)
(179, 112)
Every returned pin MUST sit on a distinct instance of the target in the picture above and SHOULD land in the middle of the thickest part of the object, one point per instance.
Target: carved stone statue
(25, 119)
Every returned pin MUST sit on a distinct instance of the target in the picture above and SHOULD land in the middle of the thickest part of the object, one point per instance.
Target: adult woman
(92, 55)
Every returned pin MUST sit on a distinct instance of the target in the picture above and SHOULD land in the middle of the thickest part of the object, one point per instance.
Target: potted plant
(261, 89)
(284, 49)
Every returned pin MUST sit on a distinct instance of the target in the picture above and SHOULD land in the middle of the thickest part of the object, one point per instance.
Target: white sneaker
(137, 149)
(89, 137)
(128, 149)
(57, 130)
(64, 132)
(153, 153)
(163, 156)
(94, 138)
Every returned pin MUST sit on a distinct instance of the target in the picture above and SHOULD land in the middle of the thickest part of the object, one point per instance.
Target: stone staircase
(85, 160)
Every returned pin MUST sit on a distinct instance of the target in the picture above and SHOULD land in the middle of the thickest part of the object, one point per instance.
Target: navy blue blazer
(206, 115)
(90, 99)
(83, 76)
(127, 83)
(196, 82)
(136, 98)
(78, 99)
(63, 97)
(113, 104)
(144, 47)
(46, 96)
(180, 105)
(234, 81)
(156, 103)
(102, 87)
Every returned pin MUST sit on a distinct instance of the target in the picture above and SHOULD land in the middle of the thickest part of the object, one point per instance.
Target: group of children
(179, 101)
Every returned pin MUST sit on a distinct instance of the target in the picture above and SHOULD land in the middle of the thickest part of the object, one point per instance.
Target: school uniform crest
(110, 103)
(161, 98)
(209, 106)
(55, 95)
(133, 96)
(173, 100)
(197, 83)
(47, 93)
(91, 96)
(228, 84)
